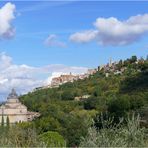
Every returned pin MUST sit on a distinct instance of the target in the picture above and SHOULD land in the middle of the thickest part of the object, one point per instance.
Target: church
(15, 110)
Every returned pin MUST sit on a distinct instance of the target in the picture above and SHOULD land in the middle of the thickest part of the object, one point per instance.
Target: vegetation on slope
(116, 135)
(119, 95)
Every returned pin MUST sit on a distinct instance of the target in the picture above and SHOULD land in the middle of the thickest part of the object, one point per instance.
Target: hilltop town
(116, 68)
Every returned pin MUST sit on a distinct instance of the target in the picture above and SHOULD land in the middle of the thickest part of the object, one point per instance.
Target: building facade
(57, 81)
(15, 110)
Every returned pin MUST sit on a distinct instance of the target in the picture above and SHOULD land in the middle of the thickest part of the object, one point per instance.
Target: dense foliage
(117, 94)
(117, 135)
(21, 135)
(52, 139)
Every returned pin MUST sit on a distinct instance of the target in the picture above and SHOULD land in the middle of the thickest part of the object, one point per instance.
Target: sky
(42, 39)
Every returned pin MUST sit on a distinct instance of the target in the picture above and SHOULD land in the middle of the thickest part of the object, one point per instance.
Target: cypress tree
(7, 122)
(2, 122)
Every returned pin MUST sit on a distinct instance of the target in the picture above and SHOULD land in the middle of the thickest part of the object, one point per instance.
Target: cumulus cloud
(17, 76)
(64, 69)
(6, 18)
(25, 78)
(111, 31)
(84, 37)
(52, 41)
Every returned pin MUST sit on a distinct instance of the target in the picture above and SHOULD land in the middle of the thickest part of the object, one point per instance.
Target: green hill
(118, 94)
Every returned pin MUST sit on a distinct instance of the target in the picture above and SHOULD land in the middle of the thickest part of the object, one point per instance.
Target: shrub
(52, 139)
(118, 135)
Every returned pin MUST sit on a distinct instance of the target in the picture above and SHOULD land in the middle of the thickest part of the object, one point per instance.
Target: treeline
(117, 95)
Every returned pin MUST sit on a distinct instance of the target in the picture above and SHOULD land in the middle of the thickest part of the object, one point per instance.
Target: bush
(16, 136)
(52, 139)
(118, 107)
(117, 135)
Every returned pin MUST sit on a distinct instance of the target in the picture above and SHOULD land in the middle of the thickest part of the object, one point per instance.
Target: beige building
(15, 110)
(57, 81)
(63, 79)
(91, 71)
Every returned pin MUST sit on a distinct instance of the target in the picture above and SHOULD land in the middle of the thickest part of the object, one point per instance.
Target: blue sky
(40, 40)
(37, 20)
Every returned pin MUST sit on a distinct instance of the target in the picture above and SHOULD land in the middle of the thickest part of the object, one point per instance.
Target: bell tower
(110, 62)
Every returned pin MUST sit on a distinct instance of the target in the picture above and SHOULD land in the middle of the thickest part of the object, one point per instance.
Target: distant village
(70, 78)
(65, 78)
(57, 81)
(110, 67)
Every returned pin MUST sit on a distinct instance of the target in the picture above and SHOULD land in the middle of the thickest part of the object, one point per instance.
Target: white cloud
(5, 61)
(52, 41)
(2, 81)
(84, 37)
(6, 17)
(24, 78)
(63, 68)
(111, 31)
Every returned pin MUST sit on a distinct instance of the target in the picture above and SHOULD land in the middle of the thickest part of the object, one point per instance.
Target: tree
(52, 139)
(119, 65)
(118, 107)
(2, 121)
(91, 103)
(76, 125)
(67, 95)
(133, 59)
(143, 66)
(7, 122)
(97, 91)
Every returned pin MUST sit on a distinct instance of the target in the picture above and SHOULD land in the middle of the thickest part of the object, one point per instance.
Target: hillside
(108, 91)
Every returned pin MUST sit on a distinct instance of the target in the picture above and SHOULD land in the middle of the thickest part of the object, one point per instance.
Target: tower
(110, 62)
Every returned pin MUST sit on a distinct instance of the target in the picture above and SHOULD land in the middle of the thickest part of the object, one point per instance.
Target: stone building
(63, 79)
(15, 110)
(57, 81)
(91, 71)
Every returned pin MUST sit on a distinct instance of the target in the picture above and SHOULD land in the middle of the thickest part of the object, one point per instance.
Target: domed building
(15, 110)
